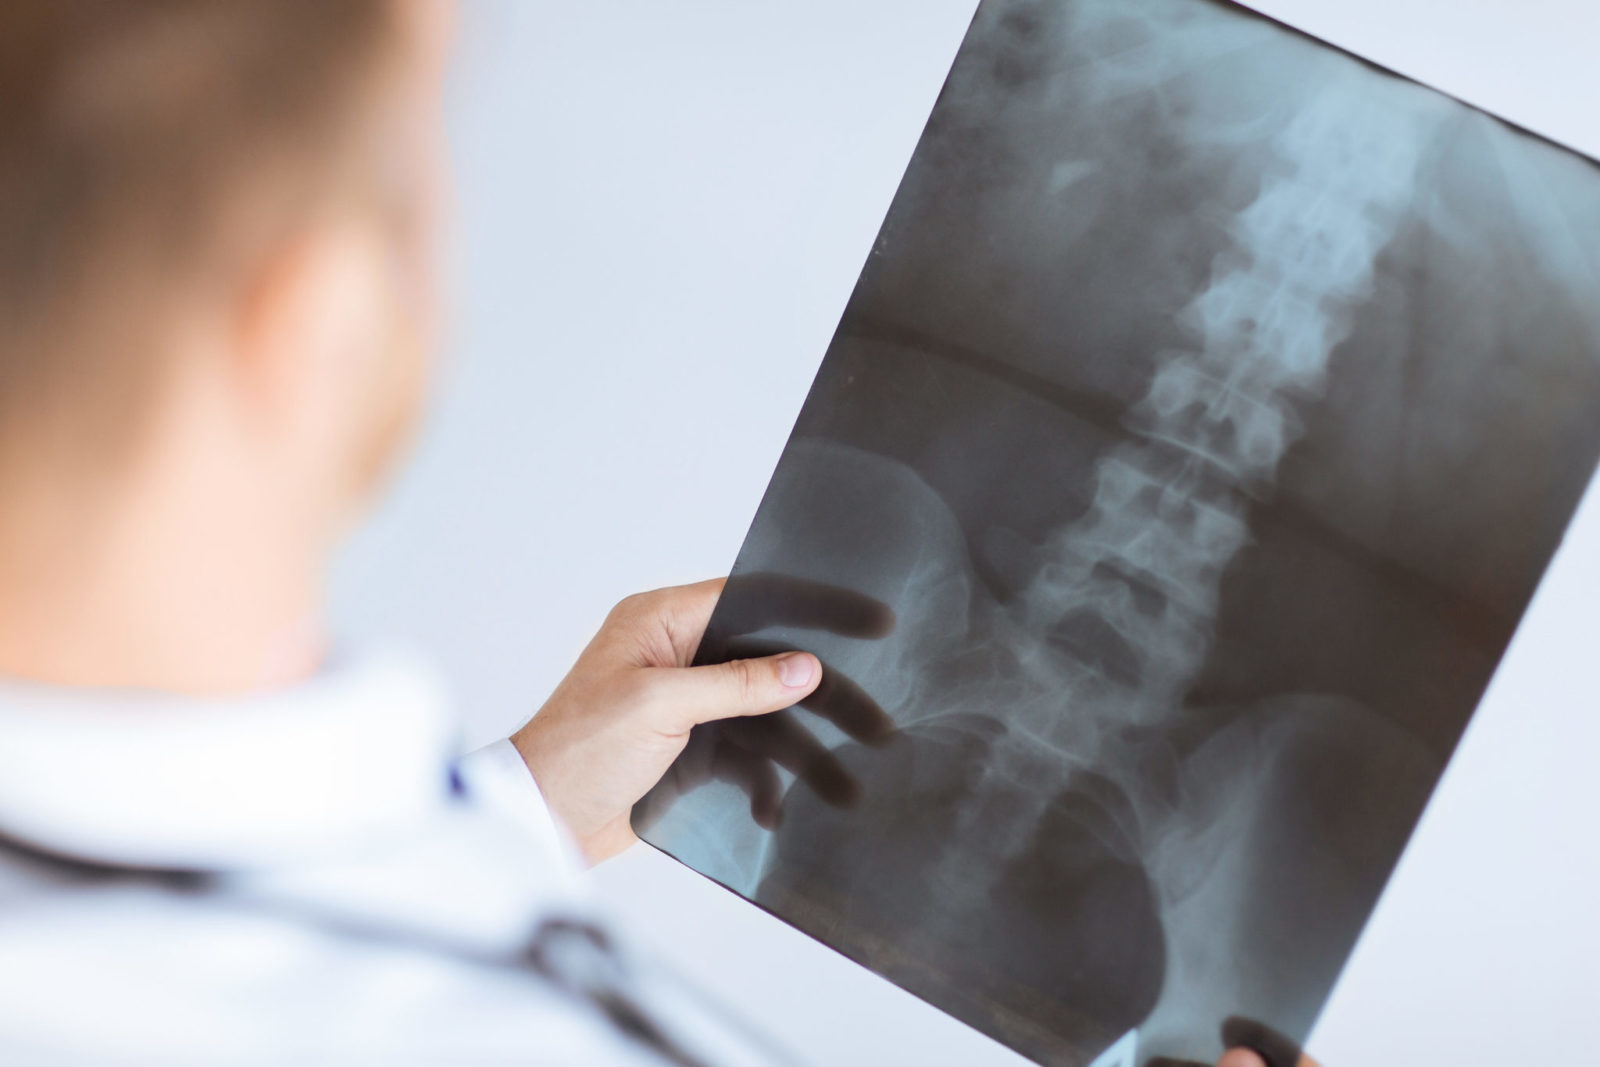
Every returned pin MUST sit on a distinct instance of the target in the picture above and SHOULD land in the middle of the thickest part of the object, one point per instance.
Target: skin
(622, 716)
(287, 396)
(1240, 1057)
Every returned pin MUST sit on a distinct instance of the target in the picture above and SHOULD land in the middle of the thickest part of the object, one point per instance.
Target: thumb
(743, 686)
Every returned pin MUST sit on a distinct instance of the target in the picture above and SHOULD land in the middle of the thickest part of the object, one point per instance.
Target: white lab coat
(301, 877)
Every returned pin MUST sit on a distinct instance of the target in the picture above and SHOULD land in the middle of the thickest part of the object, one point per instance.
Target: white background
(664, 205)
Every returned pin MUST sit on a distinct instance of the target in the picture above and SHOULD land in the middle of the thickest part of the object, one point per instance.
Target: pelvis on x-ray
(1203, 421)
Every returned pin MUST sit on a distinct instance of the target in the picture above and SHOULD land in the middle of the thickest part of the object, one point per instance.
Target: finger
(849, 707)
(781, 739)
(706, 757)
(1241, 1057)
(836, 698)
(1270, 1047)
(752, 602)
(690, 696)
(692, 768)
(757, 778)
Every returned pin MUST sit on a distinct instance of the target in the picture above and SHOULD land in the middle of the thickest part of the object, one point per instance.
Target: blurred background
(663, 209)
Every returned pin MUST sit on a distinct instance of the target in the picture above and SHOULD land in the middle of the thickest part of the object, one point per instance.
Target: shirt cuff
(497, 775)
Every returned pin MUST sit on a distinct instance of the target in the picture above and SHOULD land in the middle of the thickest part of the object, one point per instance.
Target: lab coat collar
(157, 781)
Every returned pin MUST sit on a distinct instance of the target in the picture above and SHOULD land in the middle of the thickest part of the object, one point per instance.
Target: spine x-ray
(1207, 413)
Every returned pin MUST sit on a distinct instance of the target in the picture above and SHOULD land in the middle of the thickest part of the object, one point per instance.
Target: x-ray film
(1207, 412)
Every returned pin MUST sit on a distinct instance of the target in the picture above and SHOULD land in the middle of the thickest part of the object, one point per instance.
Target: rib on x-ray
(1205, 417)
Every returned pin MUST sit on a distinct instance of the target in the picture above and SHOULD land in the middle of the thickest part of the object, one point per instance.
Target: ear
(306, 314)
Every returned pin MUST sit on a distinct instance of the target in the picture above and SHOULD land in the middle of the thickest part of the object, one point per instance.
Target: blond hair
(130, 131)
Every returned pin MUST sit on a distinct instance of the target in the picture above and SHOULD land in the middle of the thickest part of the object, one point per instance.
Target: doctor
(222, 837)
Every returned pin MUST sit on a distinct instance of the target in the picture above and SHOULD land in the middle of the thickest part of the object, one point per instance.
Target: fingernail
(797, 671)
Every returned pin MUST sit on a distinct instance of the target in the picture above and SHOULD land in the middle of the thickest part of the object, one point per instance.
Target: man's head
(217, 289)
(227, 196)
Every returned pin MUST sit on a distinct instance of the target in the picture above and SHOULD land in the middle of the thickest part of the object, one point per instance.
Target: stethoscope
(573, 955)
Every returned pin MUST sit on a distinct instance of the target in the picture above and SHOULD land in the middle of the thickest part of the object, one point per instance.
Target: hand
(1237, 1057)
(1253, 1044)
(624, 714)
(1250, 1044)
(745, 752)
(1243, 1057)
